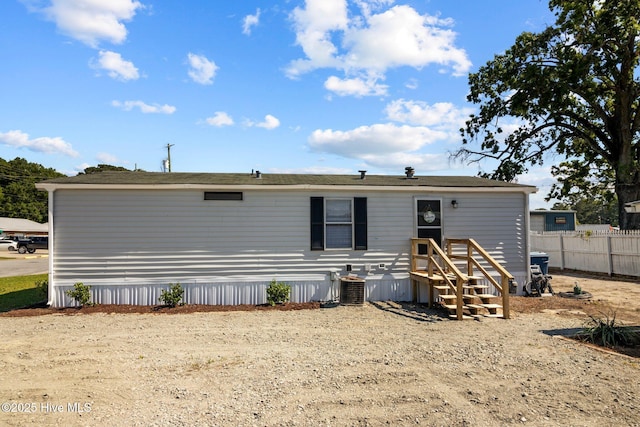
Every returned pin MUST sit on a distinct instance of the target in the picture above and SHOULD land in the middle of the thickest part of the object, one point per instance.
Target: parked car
(31, 244)
(8, 244)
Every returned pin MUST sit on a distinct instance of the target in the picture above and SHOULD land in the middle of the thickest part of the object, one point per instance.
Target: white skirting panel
(194, 293)
(381, 288)
(234, 293)
(387, 289)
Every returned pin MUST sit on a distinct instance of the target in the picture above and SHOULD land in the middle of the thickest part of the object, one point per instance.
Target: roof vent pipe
(362, 174)
(409, 171)
(258, 174)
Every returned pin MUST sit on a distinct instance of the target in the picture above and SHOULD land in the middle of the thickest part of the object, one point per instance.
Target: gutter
(296, 187)
(51, 251)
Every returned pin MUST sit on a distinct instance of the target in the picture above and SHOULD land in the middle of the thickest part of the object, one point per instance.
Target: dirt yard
(378, 364)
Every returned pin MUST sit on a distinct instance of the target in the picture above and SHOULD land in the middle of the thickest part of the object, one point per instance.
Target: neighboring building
(224, 237)
(553, 220)
(632, 207)
(22, 227)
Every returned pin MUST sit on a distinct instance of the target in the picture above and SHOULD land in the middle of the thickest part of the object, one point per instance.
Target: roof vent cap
(409, 171)
(362, 174)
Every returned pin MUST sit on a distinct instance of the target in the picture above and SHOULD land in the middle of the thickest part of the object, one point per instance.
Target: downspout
(527, 224)
(51, 249)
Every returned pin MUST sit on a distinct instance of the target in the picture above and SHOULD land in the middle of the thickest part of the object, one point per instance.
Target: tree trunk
(628, 193)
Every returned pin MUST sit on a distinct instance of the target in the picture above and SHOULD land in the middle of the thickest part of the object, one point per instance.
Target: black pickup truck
(31, 244)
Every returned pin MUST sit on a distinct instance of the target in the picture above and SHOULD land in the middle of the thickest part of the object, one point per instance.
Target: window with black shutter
(317, 224)
(338, 223)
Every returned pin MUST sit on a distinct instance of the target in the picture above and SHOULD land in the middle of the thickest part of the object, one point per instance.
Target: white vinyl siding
(128, 244)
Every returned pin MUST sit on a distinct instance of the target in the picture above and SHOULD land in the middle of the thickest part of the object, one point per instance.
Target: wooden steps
(449, 279)
(476, 302)
(483, 310)
(486, 296)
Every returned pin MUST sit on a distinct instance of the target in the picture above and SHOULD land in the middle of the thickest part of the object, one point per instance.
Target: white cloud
(412, 84)
(270, 122)
(356, 87)
(401, 36)
(116, 67)
(441, 114)
(372, 42)
(219, 119)
(250, 21)
(398, 161)
(377, 139)
(144, 107)
(314, 25)
(106, 158)
(369, 6)
(202, 70)
(91, 21)
(80, 168)
(19, 139)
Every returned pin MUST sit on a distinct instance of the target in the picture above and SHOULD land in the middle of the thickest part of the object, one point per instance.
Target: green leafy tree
(102, 168)
(18, 196)
(572, 89)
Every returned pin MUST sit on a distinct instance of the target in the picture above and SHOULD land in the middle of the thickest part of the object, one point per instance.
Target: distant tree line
(19, 197)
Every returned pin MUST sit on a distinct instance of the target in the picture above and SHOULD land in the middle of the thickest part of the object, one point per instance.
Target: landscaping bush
(606, 332)
(278, 293)
(172, 296)
(43, 288)
(81, 293)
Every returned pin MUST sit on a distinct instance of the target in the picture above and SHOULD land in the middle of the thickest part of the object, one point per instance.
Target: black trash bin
(351, 290)
(540, 259)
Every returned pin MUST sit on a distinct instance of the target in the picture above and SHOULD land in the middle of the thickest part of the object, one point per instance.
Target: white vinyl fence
(611, 252)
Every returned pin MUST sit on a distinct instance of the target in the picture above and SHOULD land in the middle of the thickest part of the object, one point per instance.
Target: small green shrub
(81, 293)
(43, 288)
(172, 296)
(278, 293)
(577, 290)
(604, 331)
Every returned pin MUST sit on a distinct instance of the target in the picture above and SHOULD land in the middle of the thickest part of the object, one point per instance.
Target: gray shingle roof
(21, 225)
(180, 178)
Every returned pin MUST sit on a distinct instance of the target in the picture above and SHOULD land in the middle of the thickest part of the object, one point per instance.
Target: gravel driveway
(379, 364)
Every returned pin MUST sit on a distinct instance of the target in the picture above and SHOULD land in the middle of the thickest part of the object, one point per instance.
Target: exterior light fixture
(454, 204)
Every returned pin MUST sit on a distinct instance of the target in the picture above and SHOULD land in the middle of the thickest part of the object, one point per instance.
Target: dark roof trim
(146, 179)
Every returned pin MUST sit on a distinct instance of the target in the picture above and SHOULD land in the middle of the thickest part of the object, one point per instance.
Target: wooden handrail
(446, 268)
(505, 276)
(499, 268)
(432, 246)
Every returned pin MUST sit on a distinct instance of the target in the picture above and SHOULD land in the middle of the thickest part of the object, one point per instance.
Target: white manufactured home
(225, 237)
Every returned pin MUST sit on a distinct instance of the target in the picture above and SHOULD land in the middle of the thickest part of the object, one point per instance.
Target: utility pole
(169, 156)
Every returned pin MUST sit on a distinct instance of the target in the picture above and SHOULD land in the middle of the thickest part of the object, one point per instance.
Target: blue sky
(322, 86)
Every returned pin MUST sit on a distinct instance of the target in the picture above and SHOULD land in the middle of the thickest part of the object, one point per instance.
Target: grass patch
(20, 291)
